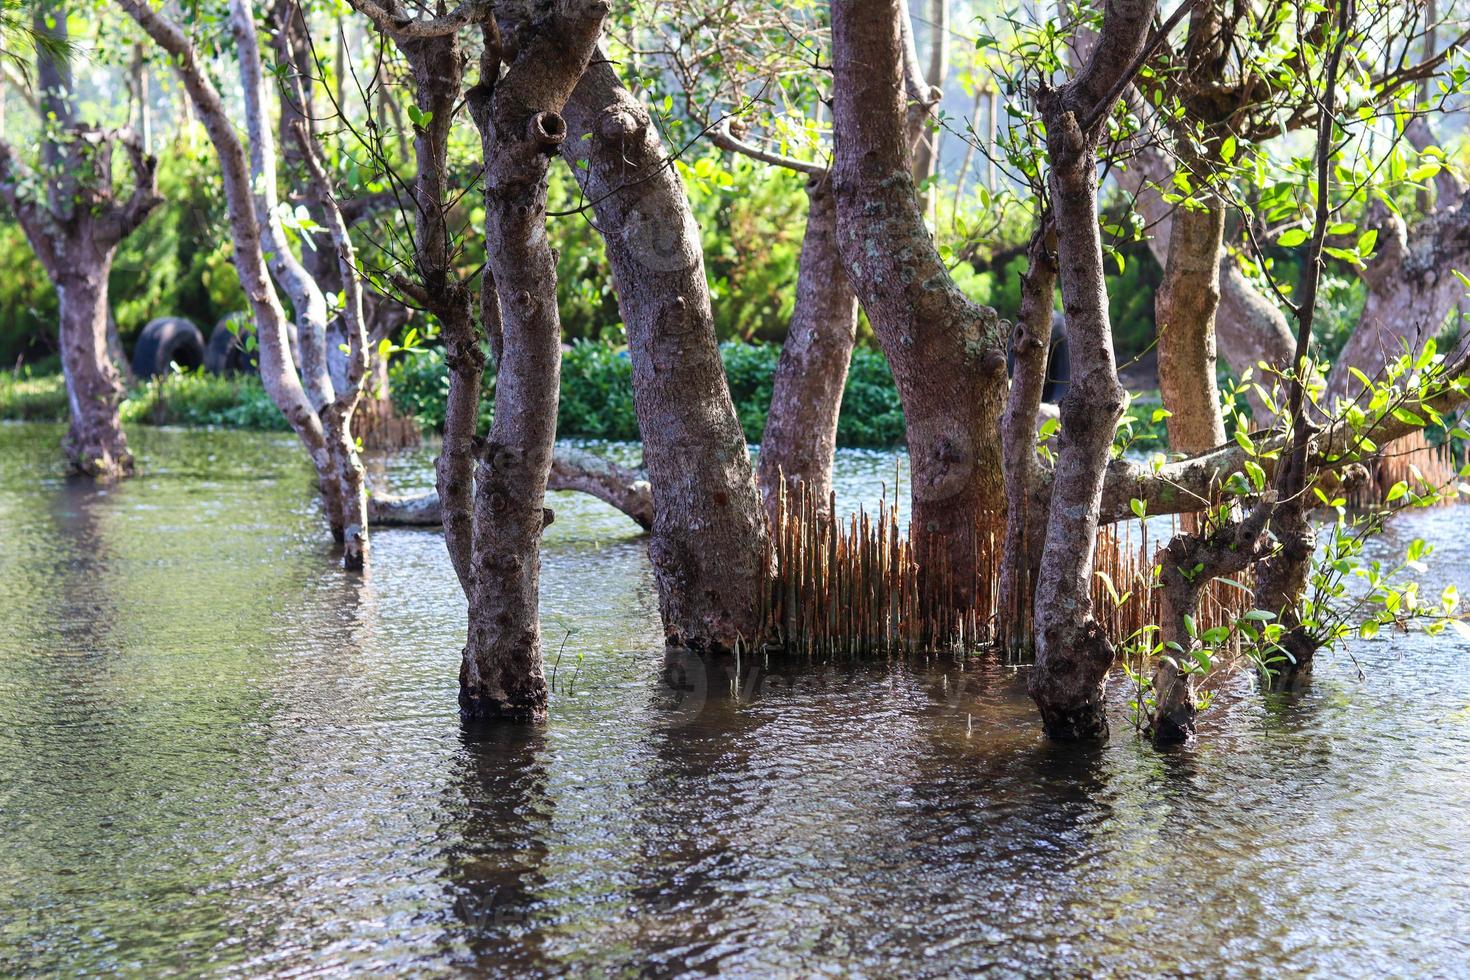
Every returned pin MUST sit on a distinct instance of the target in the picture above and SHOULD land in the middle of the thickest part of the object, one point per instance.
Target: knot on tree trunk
(547, 129)
(622, 122)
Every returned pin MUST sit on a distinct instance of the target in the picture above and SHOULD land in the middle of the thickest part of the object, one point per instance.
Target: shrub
(597, 393)
(33, 399)
(197, 398)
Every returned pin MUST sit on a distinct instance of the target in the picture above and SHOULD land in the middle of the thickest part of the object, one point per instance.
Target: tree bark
(1187, 564)
(520, 123)
(947, 353)
(1025, 513)
(1073, 655)
(94, 444)
(1185, 307)
(806, 393)
(708, 544)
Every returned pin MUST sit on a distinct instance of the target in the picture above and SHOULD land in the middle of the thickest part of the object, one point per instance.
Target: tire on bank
(167, 340)
(230, 349)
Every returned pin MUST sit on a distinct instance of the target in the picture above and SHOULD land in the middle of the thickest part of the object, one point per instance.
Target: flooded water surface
(220, 755)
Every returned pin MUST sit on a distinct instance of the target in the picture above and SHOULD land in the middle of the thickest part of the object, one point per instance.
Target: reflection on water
(221, 755)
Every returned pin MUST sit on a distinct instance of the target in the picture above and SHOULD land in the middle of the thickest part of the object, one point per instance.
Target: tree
(742, 80)
(1073, 655)
(947, 353)
(708, 543)
(74, 218)
(320, 415)
(521, 127)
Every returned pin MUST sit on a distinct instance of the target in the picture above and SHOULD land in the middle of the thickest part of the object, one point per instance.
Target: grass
(33, 399)
(188, 398)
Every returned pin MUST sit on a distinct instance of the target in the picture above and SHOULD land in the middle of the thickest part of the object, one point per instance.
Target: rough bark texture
(519, 118)
(947, 353)
(1072, 653)
(1187, 564)
(806, 393)
(1184, 312)
(1025, 514)
(708, 544)
(571, 469)
(74, 227)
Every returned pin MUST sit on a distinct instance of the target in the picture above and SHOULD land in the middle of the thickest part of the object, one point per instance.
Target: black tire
(1058, 372)
(1058, 365)
(227, 353)
(165, 341)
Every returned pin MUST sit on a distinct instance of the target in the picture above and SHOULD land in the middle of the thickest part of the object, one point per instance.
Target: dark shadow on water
(494, 870)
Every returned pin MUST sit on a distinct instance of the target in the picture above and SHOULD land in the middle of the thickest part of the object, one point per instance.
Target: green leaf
(1292, 237)
(1139, 508)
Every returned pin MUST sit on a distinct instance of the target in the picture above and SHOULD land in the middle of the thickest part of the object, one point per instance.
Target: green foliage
(597, 393)
(197, 398)
(32, 399)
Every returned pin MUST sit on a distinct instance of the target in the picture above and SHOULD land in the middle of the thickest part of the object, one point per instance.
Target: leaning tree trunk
(94, 442)
(1073, 655)
(947, 353)
(708, 543)
(806, 393)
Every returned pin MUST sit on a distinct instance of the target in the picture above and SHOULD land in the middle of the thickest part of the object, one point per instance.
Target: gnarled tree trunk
(1073, 655)
(520, 123)
(94, 442)
(708, 544)
(947, 353)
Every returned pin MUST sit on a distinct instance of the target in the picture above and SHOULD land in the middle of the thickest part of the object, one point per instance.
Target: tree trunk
(1249, 327)
(708, 544)
(1073, 655)
(520, 123)
(1184, 312)
(947, 353)
(1186, 565)
(1025, 514)
(94, 445)
(806, 393)
(1282, 577)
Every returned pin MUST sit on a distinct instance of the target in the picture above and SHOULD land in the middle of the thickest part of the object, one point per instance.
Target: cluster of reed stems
(862, 588)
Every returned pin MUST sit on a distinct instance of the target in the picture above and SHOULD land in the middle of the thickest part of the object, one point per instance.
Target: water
(221, 756)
